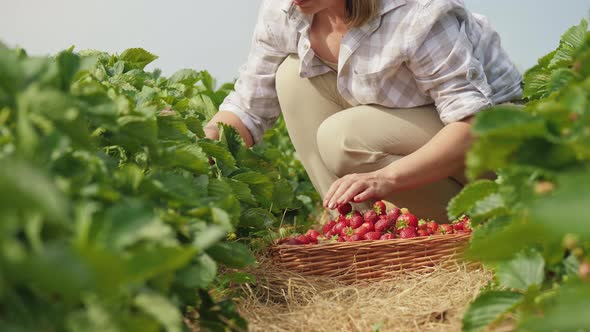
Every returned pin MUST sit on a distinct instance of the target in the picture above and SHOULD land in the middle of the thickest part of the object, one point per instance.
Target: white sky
(215, 35)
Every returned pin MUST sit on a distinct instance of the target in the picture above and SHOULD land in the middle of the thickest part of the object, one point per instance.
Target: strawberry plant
(112, 217)
(532, 221)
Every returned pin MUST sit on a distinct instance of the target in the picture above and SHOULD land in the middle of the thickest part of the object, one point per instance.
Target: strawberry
(388, 236)
(303, 239)
(393, 214)
(361, 231)
(341, 239)
(432, 227)
(347, 231)
(373, 236)
(293, 241)
(401, 224)
(458, 226)
(339, 227)
(379, 208)
(351, 215)
(445, 229)
(344, 209)
(341, 218)
(370, 216)
(423, 232)
(408, 233)
(328, 226)
(356, 221)
(383, 225)
(312, 234)
(369, 226)
(329, 234)
(356, 237)
(411, 219)
(422, 224)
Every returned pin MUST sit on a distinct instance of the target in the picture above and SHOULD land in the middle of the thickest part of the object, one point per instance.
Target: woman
(377, 95)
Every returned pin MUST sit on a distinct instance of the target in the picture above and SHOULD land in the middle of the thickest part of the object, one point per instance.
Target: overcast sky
(215, 35)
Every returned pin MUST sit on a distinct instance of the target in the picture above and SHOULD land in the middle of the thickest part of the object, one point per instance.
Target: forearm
(212, 132)
(441, 157)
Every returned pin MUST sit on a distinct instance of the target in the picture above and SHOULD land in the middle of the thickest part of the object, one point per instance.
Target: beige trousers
(333, 139)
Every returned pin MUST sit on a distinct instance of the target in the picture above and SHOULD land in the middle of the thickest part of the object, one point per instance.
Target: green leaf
(490, 153)
(208, 235)
(257, 218)
(571, 40)
(508, 121)
(132, 221)
(232, 254)
(186, 156)
(147, 263)
(566, 210)
(221, 316)
(137, 58)
(488, 308)
(229, 136)
(525, 270)
(490, 206)
(25, 188)
(185, 76)
(220, 154)
(161, 309)
(172, 127)
(569, 312)
(470, 196)
(200, 274)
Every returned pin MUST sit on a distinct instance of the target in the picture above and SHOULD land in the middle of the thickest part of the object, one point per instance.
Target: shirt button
(305, 47)
(472, 74)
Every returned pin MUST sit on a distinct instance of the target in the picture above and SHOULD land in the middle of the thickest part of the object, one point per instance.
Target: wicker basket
(371, 260)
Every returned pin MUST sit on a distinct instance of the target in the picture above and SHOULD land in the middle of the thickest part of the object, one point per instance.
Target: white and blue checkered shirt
(416, 52)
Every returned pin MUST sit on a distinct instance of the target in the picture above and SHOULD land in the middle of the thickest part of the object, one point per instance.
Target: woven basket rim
(379, 243)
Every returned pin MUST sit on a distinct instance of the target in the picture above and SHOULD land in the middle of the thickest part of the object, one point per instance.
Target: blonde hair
(361, 11)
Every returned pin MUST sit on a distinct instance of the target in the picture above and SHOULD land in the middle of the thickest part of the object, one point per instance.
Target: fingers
(343, 190)
(365, 195)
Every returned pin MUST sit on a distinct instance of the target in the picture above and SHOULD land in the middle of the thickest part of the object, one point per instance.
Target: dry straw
(433, 300)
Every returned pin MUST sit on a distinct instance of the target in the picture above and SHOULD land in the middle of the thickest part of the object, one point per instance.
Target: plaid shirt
(416, 52)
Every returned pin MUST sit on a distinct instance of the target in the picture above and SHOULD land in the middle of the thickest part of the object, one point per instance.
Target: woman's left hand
(358, 188)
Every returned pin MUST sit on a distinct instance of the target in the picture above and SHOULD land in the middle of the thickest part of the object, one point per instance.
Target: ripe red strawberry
(371, 216)
(347, 231)
(369, 226)
(312, 234)
(379, 208)
(361, 231)
(341, 218)
(422, 224)
(344, 209)
(388, 236)
(356, 237)
(432, 227)
(328, 226)
(393, 214)
(341, 225)
(302, 238)
(411, 219)
(293, 241)
(445, 229)
(341, 239)
(356, 221)
(422, 232)
(408, 233)
(373, 236)
(351, 215)
(383, 225)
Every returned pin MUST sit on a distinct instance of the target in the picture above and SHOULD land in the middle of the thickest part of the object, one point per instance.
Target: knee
(334, 143)
(286, 76)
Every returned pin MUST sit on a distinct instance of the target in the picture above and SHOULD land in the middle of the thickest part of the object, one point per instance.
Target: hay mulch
(432, 301)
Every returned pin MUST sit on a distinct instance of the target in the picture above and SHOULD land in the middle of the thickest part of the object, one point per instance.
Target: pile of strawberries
(377, 224)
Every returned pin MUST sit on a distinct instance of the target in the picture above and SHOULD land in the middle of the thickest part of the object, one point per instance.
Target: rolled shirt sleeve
(441, 56)
(254, 99)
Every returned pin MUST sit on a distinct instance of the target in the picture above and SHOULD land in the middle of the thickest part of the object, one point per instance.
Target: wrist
(392, 176)
(211, 131)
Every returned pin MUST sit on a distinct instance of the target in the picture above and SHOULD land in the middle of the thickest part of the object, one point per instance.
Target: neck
(336, 14)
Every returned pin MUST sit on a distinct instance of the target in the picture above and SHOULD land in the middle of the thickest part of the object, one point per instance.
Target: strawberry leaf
(470, 196)
(488, 308)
